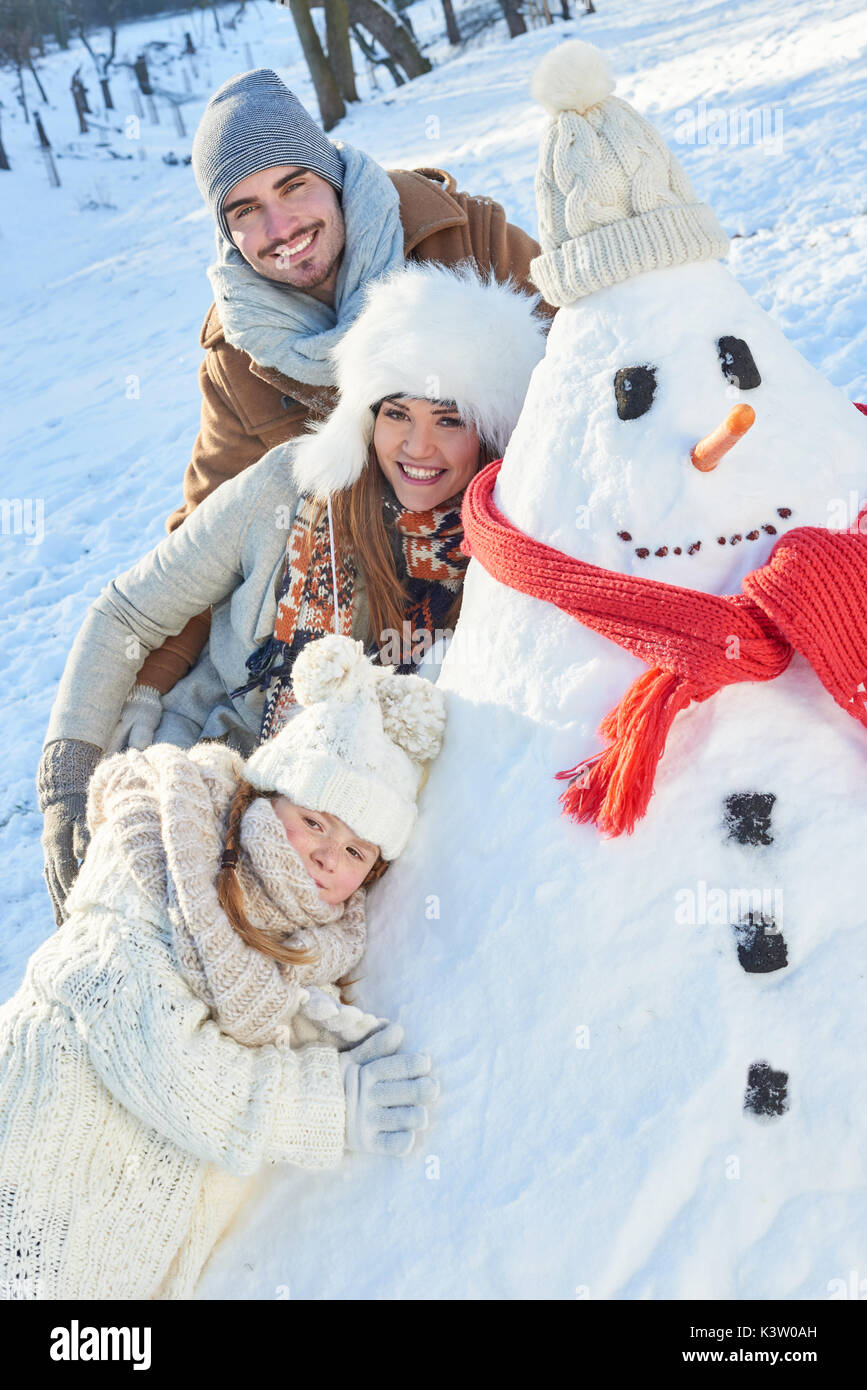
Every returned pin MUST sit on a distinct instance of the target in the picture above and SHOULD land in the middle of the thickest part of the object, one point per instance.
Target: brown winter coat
(247, 409)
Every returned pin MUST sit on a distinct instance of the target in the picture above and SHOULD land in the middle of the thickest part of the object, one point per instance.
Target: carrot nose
(708, 451)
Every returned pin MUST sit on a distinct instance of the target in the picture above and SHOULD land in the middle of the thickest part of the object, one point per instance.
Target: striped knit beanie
(613, 202)
(254, 122)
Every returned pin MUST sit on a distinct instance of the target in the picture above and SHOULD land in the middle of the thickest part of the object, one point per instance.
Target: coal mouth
(767, 528)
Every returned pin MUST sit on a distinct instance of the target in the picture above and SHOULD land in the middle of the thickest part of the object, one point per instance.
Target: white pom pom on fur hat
(358, 745)
(432, 332)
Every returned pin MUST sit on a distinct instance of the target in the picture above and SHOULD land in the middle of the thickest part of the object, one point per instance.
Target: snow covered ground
(104, 291)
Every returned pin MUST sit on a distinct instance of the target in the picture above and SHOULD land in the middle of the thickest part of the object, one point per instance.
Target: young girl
(150, 1061)
(432, 377)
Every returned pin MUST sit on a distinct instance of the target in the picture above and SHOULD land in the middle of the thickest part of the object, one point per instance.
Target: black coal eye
(738, 364)
(634, 388)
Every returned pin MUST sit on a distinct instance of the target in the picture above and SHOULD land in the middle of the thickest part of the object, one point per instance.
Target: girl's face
(425, 450)
(335, 858)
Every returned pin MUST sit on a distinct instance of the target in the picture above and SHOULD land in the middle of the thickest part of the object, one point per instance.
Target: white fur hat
(436, 333)
(357, 747)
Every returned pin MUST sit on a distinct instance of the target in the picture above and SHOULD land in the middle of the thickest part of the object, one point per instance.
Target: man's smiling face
(288, 225)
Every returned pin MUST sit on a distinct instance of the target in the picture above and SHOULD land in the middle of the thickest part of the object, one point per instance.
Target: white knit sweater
(130, 1125)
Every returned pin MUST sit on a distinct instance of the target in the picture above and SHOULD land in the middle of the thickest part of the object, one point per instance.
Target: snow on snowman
(648, 1011)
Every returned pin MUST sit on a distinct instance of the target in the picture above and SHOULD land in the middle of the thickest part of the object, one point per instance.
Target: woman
(458, 354)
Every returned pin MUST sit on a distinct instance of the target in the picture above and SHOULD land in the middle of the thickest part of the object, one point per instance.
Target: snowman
(645, 1005)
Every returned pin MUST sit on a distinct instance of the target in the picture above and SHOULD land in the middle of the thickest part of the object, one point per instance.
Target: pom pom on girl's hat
(612, 200)
(357, 746)
(432, 332)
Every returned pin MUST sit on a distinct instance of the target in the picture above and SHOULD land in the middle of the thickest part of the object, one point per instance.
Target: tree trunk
(22, 95)
(514, 18)
(339, 47)
(564, 9)
(37, 29)
(140, 68)
(394, 38)
(60, 25)
(42, 92)
(589, 7)
(4, 158)
(452, 30)
(217, 24)
(331, 107)
(369, 52)
(79, 109)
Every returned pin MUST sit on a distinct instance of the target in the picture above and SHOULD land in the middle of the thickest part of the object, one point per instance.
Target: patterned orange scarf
(427, 552)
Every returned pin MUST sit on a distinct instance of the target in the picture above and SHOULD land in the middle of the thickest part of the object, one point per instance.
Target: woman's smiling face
(425, 450)
(337, 860)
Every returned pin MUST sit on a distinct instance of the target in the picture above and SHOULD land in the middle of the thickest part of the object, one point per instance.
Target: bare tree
(79, 97)
(514, 18)
(15, 40)
(394, 36)
(331, 106)
(452, 30)
(102, 14)
(339, 47)
(368, 48)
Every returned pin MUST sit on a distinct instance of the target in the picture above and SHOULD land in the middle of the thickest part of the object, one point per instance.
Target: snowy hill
(103, 295)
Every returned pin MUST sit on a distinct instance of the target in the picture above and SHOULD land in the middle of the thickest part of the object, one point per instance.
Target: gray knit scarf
(284, 328)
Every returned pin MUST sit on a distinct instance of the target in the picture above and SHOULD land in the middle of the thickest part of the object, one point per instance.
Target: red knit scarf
(810, 597)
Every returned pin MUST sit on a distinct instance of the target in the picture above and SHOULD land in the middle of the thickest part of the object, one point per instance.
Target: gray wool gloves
(65, 770)
(386, 1092)
(139, 720)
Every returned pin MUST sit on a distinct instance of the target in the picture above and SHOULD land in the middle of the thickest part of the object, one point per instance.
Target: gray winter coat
(229, 554)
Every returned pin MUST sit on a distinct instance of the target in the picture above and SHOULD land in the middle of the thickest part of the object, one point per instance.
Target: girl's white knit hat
(612, 200)
(356, 749)
(430, 332)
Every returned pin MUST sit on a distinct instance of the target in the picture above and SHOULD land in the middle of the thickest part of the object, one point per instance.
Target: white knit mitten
(138, 721)
(386, 1093)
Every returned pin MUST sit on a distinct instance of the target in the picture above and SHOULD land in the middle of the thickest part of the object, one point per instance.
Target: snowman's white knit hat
(613, 201)
(431, 332)
(358, 746)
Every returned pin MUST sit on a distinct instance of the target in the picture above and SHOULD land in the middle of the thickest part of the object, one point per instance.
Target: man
(302, 227)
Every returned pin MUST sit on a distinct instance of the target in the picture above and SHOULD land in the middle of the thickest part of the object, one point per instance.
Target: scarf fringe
(613, 788)
(263, 666)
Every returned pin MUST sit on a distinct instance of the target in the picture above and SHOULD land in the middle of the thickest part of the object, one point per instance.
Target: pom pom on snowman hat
(357, 745)
(573, 77)
(613, 201)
